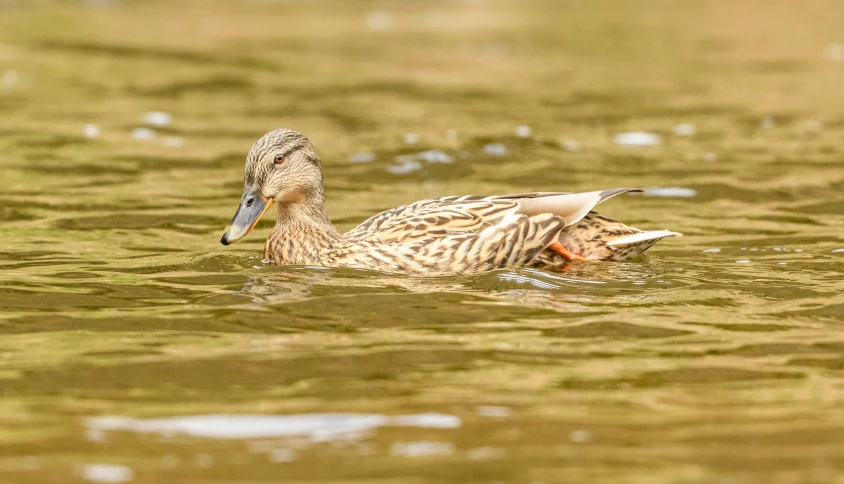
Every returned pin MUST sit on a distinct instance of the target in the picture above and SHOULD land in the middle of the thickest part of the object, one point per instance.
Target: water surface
(136, 348)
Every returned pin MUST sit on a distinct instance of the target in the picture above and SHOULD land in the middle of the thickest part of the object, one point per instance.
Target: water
(136, 348)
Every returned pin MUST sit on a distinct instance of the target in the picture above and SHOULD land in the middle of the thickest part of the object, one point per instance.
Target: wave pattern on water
(714, 358)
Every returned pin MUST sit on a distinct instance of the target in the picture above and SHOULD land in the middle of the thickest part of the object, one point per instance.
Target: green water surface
(716, 358)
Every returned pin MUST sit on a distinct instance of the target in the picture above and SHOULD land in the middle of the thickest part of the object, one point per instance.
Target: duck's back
(469, 234)
(449, 235)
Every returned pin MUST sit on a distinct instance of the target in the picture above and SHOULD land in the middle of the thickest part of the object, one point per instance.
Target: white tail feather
(642, 236)
(571, 207)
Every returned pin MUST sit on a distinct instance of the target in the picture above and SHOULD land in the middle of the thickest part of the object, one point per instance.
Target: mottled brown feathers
(448, 235)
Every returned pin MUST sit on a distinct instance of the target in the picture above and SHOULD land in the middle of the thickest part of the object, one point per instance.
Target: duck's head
(281, 167)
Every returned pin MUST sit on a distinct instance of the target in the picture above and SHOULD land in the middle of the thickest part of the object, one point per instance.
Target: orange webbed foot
(565, 253)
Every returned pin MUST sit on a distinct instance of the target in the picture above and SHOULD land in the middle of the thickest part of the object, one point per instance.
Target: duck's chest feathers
(285, 249)
(300, 243)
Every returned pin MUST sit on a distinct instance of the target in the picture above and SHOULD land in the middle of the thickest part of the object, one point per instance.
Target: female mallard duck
(448, 235)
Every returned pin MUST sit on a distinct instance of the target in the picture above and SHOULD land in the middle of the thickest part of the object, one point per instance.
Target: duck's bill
(252, 206)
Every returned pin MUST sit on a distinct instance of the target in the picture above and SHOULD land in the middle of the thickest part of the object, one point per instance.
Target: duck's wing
(455, 215)
(470, 233)
(515, 240)
(433, 218)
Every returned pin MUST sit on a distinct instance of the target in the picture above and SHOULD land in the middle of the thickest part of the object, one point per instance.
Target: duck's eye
(279, 159)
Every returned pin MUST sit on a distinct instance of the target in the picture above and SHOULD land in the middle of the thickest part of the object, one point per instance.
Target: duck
(450, 235)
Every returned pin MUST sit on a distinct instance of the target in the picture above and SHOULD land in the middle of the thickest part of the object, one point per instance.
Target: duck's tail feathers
(633, 245)
(653, 235)
(572, 207)
(607, 194)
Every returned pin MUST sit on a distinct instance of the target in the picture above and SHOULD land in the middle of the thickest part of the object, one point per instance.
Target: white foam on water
(426, 420)
(680, 192)
(421, 448)
(435, 156)
(159, 119)
(143, 133)
(429, 156)
(493, 411)
(496, 149)
(362, 157)
(107, 473)
(570, 145)
(411, 138)
(637, 138)
(91, 131)
(713, 251)
(685, 129)
(316, 426)
(523, 131)
(404, 168)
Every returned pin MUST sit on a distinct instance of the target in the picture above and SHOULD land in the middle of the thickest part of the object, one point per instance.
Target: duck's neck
(302, 235)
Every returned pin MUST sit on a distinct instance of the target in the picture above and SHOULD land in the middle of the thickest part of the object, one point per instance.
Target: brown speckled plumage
(448, 235)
